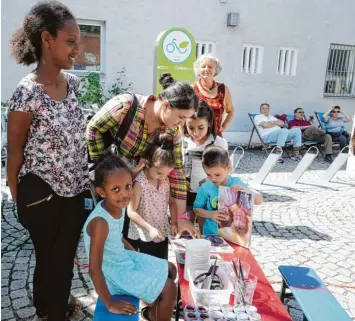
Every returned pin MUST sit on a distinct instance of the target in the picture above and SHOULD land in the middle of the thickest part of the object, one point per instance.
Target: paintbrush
(239, 275)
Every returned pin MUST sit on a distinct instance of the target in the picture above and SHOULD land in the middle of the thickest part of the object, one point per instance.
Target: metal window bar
(252, 61)
(247, 57)
(204, 48)
(257, 64)
(283, 54)
(339, 78)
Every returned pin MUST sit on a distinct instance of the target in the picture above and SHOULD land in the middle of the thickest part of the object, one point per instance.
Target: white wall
(132, 28)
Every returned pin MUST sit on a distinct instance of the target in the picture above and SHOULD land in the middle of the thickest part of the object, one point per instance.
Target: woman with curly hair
(215, 94)
(47, 169)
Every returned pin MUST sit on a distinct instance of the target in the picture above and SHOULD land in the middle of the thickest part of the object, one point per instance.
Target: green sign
(175, 52)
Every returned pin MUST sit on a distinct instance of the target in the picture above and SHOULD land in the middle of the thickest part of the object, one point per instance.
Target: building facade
(287, 53)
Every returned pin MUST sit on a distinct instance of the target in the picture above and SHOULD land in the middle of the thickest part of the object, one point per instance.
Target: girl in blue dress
(114, 266)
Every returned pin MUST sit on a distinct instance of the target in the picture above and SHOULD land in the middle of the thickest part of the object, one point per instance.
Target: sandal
(144, 313)
(74, 307)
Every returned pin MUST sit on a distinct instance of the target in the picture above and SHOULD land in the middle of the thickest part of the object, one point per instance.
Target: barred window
(252, 59)
(205, 47)
(287, 61)
(339, 78)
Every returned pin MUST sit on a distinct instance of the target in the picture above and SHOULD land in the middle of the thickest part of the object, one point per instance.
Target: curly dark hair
(180, 95)
(109, 162)
(161, 151)
(26, 44)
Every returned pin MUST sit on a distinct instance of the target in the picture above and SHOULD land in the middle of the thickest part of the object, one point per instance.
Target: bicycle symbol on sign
(182, 47)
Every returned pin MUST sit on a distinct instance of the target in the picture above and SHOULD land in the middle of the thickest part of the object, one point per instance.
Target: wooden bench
(102, 314)
(312, 295)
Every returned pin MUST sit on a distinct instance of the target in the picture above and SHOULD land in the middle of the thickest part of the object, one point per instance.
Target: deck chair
(266, 147)
(305, 142)
(319, 116)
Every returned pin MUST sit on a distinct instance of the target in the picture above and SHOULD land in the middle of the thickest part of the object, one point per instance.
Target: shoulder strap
(122, 130)
(127, 121)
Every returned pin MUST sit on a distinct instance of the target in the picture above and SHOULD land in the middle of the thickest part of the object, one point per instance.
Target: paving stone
(26, 312)
(25, 253)
(20, 267)
(344, 279)
(5, 266)
(18, 294)
(18, 284)
(76, 284)
(20, 303)
(19, 275)
(5, 302)
(6, 314)
(5, 282)
(87, 301)
(22, 260)
(78, 292)
(4, 291)
(5, 273)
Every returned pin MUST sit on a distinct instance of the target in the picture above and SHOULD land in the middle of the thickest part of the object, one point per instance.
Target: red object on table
(265, 299)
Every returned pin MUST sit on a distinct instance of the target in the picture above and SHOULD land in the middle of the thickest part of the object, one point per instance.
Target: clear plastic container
(212, 299)
(197, 255)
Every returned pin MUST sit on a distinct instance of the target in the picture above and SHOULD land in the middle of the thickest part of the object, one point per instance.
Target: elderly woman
(334, 120)
(215, 94)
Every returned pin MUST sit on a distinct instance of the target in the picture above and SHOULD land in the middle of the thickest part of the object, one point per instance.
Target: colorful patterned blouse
(216, 103)
(109, 118)
(55, 149)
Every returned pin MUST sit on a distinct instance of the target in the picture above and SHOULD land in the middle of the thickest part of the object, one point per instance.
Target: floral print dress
(55, 149)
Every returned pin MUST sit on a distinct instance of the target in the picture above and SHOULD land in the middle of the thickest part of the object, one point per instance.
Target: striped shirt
(109, 118)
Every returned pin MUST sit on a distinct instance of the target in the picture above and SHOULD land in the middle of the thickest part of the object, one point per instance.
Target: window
(205, 47)
(252, 59)
(90, 57)
(287, 61)
(339, 77)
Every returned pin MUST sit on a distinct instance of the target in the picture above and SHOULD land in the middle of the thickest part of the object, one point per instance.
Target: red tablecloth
(265, 298)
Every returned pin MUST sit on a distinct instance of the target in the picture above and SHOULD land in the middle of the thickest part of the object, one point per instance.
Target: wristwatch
(183, 216)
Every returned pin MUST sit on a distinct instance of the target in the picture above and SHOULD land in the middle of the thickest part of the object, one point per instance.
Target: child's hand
(155, 235)
(173, 229)
(122, 307)
(219, 216)
(236, 188)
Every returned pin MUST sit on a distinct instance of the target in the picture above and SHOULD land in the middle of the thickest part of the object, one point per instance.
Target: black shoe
(328, 158)
(280, 160)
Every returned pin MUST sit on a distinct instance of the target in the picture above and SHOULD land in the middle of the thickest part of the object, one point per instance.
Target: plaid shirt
(111, 115)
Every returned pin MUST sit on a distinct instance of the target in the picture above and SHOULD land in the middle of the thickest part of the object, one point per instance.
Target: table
(265, 298)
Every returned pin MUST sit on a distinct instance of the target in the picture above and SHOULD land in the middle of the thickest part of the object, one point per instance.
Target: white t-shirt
(189, 145)
(265, 131)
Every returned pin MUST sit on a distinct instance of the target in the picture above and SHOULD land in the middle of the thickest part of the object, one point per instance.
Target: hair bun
(166, 80)
(165, 141)
(167, 145)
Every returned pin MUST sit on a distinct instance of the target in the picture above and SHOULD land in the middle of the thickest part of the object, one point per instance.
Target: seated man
(310, 132)
(271, 132)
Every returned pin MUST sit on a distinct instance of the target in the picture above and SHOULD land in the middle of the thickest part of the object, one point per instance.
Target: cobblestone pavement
(309, 227)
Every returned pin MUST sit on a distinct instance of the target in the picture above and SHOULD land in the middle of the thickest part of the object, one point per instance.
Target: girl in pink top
(148, 209)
